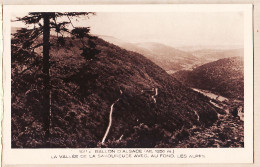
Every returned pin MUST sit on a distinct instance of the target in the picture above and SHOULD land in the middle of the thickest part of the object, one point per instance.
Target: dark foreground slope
(82, 95)
(224, 77)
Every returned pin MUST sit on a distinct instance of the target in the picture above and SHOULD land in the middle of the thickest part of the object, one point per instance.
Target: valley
(124, 99)
(173, 59)
(228, 131)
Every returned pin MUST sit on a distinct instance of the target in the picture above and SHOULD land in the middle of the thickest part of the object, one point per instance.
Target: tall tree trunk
(46, 72)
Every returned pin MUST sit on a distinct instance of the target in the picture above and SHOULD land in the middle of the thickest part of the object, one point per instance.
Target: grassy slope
(83, 92)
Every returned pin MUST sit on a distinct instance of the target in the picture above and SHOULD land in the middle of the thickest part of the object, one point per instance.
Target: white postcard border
(213, 155)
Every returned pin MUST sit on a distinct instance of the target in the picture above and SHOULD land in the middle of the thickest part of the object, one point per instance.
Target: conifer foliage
(31, 60)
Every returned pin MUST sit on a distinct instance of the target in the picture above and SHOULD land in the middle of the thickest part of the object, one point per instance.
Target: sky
(173, 28)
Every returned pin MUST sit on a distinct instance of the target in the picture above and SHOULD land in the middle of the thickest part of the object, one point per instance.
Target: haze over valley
(180, 58)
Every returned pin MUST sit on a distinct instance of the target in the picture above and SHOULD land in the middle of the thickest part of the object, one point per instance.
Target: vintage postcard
(128, 84)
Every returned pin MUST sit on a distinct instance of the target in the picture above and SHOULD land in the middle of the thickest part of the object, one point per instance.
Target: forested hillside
(224, 77)
(82, 93)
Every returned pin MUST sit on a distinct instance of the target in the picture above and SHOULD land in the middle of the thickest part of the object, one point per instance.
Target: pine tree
(40, 27)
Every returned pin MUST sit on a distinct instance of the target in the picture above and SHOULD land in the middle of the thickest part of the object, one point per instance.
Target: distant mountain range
(172, 59)
(208, 55)
(209, 47)
(224, 77)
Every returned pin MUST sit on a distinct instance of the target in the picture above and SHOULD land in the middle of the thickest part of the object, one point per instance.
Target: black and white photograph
(129, 79)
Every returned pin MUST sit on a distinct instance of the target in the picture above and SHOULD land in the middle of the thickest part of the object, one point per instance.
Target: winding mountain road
(155, 90)
(196, 113)
(156, 93)
(110, 119)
